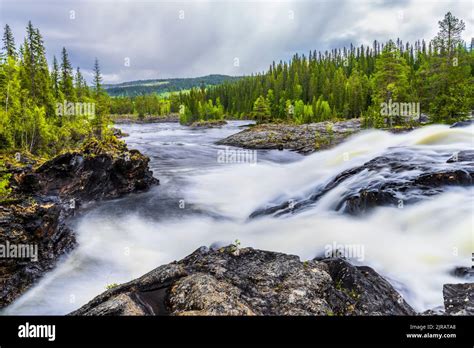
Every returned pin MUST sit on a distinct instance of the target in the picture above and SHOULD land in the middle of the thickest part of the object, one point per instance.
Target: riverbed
(208, 191)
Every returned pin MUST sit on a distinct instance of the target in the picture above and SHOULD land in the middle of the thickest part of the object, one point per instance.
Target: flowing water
(201, 201)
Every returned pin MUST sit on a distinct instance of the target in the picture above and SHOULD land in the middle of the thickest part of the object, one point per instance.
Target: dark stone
(359, 290)
(232, 281)
(44, 199)
(462, 156)
(463, 123)
(459, 299)
(432, 180)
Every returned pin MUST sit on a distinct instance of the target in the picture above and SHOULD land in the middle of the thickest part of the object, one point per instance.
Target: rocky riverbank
(44, 197)
(127, 119)
(208, 124)
(234, 281)
(305, 138)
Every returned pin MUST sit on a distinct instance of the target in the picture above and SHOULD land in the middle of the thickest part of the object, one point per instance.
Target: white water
(415, 247)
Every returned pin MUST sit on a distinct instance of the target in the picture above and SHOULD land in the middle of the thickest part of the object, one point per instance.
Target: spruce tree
(9, 42)
(67, 87)
(55, 79)
(97, 81)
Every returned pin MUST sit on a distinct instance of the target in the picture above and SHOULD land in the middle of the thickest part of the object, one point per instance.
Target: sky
(154, 39)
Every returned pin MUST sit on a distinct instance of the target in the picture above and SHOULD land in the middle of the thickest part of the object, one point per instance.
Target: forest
(46, 109)
(162, 86)
(350, 82)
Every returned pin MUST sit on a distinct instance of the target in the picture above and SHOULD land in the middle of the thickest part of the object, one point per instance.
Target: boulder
(465, 123)
(43, 199)
(233, 281)
(459, 299)
(304, 139)
(430, 179)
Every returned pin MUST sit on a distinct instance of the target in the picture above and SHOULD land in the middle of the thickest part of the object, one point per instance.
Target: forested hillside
(46, 110)
(143, 87)
(351, 82)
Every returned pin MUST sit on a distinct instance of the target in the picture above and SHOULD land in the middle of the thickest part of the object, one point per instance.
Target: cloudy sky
(148, 39)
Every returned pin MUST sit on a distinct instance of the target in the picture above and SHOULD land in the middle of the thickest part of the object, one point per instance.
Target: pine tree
(97, 81)
(79, 83)
(102, 103)
(9, 42)
(390, 81)
(449, 36)
(261, 110)
(66, 81)
(445, 79)
(34, 72)
(55, 79)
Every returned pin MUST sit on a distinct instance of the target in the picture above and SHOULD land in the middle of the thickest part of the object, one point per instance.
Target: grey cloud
(159, 44)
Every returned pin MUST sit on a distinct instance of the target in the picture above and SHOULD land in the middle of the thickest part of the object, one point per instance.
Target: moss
(111, 286)
(110, 145)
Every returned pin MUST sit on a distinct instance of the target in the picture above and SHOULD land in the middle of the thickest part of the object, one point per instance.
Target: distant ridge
(161, 86)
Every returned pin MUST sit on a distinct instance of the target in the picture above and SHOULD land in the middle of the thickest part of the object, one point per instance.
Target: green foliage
(43, 112)
(445, 77)
(372, 118)
(390, 80)
(354, 82)
(111, 286)
(261, 110)
(4, 182)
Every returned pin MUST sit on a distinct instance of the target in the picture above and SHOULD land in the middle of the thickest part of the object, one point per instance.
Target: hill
(160, 86)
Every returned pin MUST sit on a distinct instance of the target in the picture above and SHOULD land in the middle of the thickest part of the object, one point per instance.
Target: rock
(251, 282)
(43, 200)
(95, 173)
(41, 224)
(463, 123)
(128, 119)
(424, 119)
(208, 124)
(118, 133)
(462, 156)
(459, 299)
(463, 272)
(359, 290)
(431, 179)
(304, 139)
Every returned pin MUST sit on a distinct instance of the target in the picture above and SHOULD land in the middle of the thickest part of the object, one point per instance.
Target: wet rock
(118, 133)
(429, 177)
(43, 200)
(129, 119)
(95, 173)
(31, 224)
(463, 123)
(463, 272)
(462, 156)
(231, 281)
(359, 290)
(208, 124)
(305, 138)
(459, 299)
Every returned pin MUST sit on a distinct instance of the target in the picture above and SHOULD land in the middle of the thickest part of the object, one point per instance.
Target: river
(203, 200)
